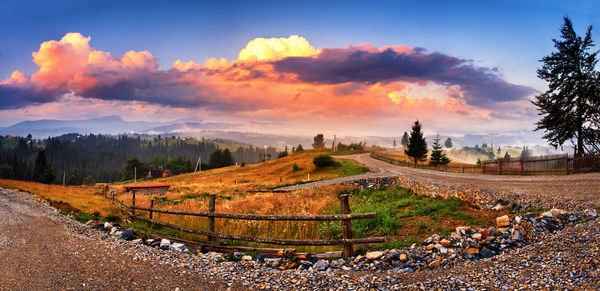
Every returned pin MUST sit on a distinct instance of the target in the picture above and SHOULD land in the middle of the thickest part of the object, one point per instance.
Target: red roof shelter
(148, 188)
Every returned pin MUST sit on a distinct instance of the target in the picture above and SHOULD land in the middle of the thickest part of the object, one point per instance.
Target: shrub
(323, 161)
(295, 167)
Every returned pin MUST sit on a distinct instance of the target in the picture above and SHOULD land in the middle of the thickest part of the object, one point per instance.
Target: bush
(323, 161)
(295, 167)
(89, 181)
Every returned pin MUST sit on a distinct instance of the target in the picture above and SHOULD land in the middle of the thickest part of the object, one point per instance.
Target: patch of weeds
(190, 196)
(421, 225)
(295, 168)
(84, 217)
(112, 218)
(385, 223)
(330, 230)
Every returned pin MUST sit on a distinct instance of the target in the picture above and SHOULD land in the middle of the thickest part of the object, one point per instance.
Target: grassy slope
(403, 218)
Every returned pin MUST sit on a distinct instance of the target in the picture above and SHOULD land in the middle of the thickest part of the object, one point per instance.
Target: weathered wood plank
(327, 217)
(265, 240)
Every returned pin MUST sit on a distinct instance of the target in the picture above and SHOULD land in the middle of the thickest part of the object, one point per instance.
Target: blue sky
(505, 38)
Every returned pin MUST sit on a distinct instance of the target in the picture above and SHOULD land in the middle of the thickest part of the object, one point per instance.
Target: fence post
(211, 220)
(346, 225)
(483, 167)
(463, 169)
(151, 206)
(499, 165)
(567, 160)
(521, 173)
(133, 201)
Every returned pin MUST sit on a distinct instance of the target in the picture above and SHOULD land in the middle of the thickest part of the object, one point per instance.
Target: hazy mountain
(112, 124)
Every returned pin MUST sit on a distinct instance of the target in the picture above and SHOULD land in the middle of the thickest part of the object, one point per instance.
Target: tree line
(103, 157)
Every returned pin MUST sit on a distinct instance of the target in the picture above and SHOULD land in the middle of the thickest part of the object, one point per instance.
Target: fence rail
(540, 165)
(345, 217)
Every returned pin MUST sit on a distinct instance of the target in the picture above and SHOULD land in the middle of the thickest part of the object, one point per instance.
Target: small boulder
(137, 241)
(374, 255)
(503, 221)
(462, 228)
(472, 251)
(498, 207)
(246, 258)
(445, 242)
(548, 214)
(178, 247)
(476, 236)
(402, 257)
(164, 244)
(515, 234)
(321, 265)
(486, 253)
(107, 226)
(557, 211)
(127, 235)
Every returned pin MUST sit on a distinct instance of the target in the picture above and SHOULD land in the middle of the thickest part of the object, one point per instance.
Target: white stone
(137, 241)
(107, 225)
(518, 219)
(164, 243)
(246, 258)
(548, 214)
(374, 255)
(113, 230)
(498, 207)
(176, 247)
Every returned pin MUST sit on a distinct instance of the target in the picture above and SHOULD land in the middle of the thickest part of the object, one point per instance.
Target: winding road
(565, 191)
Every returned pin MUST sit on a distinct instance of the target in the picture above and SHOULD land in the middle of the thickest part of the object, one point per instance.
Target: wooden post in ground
(211, 220)
(521, 172)
(133, 201)
(567, 161)
(463, 169)
(151, 206)
(346, 225)
(499, 165)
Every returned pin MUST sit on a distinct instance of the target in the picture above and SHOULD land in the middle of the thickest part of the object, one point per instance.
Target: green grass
(350, 168)
(395, 206)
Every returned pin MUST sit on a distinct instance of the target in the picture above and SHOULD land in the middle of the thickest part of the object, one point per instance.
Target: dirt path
(572, 191)
(40, 249)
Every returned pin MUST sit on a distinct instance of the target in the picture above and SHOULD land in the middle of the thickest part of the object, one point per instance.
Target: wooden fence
(345, 217)
(540, 165)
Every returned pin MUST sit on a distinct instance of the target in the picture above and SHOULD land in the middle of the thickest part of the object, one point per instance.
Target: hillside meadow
(404, 218)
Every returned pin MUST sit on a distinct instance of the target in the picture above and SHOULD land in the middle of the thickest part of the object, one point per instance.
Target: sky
(346, 67)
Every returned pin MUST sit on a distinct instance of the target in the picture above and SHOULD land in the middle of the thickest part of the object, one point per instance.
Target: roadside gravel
(566, 192)
(41, 249)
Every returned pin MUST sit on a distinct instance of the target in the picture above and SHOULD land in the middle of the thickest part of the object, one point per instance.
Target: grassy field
(403, 218)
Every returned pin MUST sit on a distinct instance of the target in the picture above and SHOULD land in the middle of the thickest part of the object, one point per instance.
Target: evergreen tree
(319, 141)
(506, 156)
(404, 140)
(478, 163)
(48, 176)
(571, 105)
(417, 146)
(73, 180)
(89, 181)
(448, 143)
(394, 143)
(299, 148)
(438, 157)
(179, 165)
(133, 167)
(40, 166)
(499, 151)
(6, 171)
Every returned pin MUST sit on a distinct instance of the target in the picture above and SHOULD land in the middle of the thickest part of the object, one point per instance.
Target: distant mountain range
(112, 124)
(196, 128)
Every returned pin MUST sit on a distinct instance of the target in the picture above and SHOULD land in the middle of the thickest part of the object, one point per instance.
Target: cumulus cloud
(481, 86)
(272, 78)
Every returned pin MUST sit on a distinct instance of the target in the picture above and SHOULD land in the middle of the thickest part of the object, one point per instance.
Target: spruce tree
(417, 146)
(438, 157)
(570, 108)
(404, 141)
(448, 143)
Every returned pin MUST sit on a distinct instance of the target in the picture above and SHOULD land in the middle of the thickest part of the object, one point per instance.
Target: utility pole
(134, 174)
(64, 177)
(198, 164)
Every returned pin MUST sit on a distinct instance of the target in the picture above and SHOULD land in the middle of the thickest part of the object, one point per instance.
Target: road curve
(574, 191)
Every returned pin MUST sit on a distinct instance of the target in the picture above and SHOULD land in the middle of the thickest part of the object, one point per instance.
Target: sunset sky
(347, 67)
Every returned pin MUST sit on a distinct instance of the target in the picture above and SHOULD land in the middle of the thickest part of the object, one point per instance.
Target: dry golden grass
(231, 184)
(84, 198)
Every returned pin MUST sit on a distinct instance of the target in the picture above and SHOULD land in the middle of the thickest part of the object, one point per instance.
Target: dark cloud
(13, 97)
(481, 85)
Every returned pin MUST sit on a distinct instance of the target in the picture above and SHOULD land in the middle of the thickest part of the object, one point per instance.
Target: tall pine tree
(570, 109)
(417, 146)
(438, 157)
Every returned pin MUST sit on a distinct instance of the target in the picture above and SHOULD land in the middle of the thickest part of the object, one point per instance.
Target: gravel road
(41, 249)
(567, 192)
